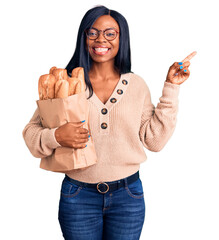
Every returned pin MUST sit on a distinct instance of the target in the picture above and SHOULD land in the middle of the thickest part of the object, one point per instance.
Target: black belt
(106, 186)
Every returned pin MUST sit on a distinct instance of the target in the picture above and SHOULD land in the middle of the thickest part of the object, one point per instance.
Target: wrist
(167, 80)
(57, 136)
(172, 82)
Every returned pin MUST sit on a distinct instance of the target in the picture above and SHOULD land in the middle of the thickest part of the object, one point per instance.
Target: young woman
(106, 200)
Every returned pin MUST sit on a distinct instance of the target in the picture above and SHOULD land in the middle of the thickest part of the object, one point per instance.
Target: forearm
(158, 124)
(40, 141)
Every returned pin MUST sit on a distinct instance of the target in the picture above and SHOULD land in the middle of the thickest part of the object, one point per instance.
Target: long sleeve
(40, 141)
(158, 124)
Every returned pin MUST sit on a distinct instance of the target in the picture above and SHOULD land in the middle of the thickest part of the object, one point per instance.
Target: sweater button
(103, 125)
(104, 111)
(125, 82)
(119, 91)
(113, 100)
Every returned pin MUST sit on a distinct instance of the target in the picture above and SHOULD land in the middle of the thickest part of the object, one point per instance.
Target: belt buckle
(102, 183)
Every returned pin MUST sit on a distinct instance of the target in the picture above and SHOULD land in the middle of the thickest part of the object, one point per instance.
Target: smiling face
(100, 49)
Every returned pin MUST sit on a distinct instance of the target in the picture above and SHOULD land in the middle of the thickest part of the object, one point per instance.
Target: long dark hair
(81, 57)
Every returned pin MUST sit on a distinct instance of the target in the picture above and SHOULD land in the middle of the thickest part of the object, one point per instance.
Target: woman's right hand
(72, 135)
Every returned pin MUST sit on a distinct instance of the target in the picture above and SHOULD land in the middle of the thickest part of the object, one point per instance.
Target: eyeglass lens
(109, 34)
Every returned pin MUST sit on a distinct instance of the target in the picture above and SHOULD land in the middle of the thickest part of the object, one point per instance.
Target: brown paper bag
(56, 112)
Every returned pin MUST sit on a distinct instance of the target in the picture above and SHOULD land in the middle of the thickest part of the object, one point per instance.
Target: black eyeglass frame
(87, 30)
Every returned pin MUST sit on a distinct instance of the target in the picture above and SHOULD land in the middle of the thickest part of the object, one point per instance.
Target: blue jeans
(86, 214)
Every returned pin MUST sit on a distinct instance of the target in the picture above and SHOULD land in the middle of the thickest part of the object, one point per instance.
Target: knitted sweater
(120, 129)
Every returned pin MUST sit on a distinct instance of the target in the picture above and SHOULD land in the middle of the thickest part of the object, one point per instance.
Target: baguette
(51, 69)
(57, 84)
(59, 73)
(46, 86)
(72, 85)
(79, 74)
(79, 87)
(61, 89)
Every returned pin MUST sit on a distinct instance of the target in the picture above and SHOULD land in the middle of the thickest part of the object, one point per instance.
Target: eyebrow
(104, 29)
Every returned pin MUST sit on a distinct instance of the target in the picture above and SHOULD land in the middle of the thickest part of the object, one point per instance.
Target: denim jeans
(86, 214)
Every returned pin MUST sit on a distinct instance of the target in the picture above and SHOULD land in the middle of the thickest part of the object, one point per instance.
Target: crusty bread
(79, 74)
(51, 69)
(46, 86)
(72, 85)
(57, 84)
(78, 88)
(61, 89)
(59, 73)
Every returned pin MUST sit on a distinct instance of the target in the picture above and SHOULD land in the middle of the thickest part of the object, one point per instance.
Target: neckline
(116, 95)
(104, 104)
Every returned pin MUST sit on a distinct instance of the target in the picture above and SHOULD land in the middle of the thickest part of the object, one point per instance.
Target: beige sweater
(120, 128)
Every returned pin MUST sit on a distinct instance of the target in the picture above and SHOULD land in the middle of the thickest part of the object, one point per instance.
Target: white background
(180, 182)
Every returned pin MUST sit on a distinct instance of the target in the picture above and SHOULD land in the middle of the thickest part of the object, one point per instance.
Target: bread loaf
(59, 73)
(46, 86)
(79, 74)
(61, 89)
(51, 69)
(57, 84)
(72, 85)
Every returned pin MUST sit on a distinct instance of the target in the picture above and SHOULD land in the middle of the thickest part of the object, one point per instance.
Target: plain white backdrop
(181, 181)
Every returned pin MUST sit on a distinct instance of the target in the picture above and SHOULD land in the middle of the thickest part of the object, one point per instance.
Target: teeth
(101, 49)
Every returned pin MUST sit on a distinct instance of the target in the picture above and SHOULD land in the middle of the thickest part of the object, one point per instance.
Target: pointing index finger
(190, 56)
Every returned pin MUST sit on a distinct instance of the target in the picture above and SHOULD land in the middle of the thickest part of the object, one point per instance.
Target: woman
(106, 200)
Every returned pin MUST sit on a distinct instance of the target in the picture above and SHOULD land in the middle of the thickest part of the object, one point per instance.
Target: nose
(100, 37)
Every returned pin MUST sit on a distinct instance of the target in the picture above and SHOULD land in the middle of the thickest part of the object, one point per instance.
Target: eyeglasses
(109, 33)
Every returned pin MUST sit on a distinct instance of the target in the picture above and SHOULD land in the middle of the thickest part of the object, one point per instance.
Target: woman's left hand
(179, 72)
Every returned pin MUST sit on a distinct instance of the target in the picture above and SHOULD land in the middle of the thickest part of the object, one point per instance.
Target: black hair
(81, 57)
